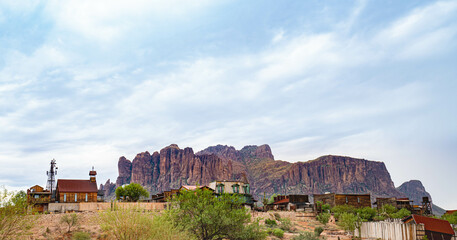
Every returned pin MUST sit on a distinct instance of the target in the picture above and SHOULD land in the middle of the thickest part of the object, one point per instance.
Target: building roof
(282, 201)
(434, 225)
(76, 186)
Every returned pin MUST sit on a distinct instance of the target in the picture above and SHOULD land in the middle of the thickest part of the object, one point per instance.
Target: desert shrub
(278, 233)
(134, 223)
(270, 222)
(402, 213)
(206, 216)
(306, 236)
(348, 222)
(387, 209)
(323, 218)
(339, 210)
(318, 231)
(277, 217)
(70, 219)
(326, 208)
(80, 236)
(451, 218)
(14, 220)
(285, 224)
(366, 213)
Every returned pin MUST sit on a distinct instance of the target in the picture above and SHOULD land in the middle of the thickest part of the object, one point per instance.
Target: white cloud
(107, 21)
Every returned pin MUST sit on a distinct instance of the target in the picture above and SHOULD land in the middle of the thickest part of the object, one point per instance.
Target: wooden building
(333, 199)
(435, 229)
(75, 191)
(399, 203)
(241, 188)
(38, 198)
(289, 202)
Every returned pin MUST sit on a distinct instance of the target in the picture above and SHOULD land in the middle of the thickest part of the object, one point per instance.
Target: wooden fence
(391, 231)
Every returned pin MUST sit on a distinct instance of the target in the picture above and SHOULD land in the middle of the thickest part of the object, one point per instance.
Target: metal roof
(76, 186)
(434, 225)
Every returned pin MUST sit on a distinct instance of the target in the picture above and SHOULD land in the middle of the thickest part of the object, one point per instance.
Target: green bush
(277, 217)
(285, 224)
(205, 216)
(451, 218)
(339, 210)
(70, 219)
(326, 208)
(131, 192)
(366, 213)
(318, 231)
(402, 213)
(323, 218)
(270, 222)
(348, 221)
(134, 223)
(306, 236)
(14, 221)
(80, 236)
(278, 233)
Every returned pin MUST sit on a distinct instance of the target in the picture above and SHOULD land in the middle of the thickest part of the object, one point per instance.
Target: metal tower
(51, 186)
(427, 206)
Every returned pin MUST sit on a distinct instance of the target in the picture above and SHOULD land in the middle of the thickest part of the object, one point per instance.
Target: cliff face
(173, 167)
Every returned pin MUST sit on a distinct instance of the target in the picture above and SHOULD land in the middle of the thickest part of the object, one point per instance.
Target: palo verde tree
(131, 192)
(14, 220)
(207, 217)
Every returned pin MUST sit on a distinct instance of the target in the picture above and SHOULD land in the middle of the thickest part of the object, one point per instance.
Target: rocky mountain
(414, 190)
(172, 167)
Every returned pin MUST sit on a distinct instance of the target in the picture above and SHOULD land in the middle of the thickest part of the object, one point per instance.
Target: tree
(131, 192)
(14, 220)
(69, 219)
(402, 213)
(451, 218)
(350, 222)
(206, 216)
(323, 218)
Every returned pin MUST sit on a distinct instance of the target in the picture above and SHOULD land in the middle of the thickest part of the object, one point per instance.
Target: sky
(86, 82)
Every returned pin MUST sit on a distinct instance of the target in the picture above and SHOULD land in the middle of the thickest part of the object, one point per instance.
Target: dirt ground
(48, 226)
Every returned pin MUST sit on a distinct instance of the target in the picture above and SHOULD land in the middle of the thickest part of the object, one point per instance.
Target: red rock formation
(173, 167)
(124, 167)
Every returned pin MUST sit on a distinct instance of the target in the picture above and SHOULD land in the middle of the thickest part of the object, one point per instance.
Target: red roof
(434, 225)
(285, 200)
(76, 186)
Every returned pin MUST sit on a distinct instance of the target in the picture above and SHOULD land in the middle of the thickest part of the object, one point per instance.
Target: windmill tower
(51, 186)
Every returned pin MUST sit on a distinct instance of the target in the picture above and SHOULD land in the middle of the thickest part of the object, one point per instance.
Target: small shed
(333, 199)
(435, 229)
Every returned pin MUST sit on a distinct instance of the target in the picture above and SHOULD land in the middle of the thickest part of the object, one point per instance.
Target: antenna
(51, 178)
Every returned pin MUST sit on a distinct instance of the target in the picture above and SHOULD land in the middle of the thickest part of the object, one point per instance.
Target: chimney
(92, 175)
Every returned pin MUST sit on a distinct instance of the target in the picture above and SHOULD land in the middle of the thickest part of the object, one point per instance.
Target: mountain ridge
(172, 167)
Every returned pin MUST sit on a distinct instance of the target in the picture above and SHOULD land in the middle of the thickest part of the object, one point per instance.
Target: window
(86, 197)
(246, 189)
(346, 199)
(36, 196)
(236, 188)
(358, 199)
(76, 197)
(64, 197)
(220, 188)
